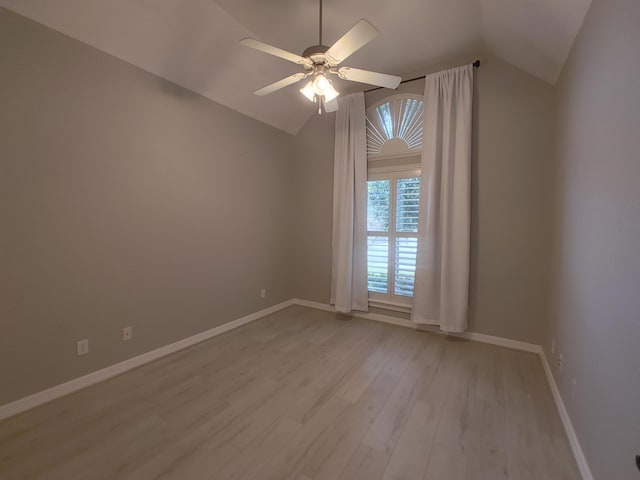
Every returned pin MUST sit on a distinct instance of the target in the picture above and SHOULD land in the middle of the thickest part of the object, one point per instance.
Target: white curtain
(441, 290)
(349, 254)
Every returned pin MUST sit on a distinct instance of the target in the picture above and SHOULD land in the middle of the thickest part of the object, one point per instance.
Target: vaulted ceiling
(194, 43)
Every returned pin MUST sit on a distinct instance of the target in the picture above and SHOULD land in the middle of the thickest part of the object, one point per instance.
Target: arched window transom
(394, 126)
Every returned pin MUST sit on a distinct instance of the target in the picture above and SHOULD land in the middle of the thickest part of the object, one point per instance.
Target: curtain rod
(476, 64)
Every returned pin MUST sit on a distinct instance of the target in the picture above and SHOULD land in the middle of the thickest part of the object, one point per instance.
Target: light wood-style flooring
(303, 395)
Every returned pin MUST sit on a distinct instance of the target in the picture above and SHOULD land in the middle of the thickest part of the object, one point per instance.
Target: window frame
(397, 163)
(393, 173)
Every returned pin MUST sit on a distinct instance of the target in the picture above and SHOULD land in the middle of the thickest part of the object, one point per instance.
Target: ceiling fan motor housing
(316, 54)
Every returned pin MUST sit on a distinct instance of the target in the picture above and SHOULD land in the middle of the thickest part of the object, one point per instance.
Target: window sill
(396, 307)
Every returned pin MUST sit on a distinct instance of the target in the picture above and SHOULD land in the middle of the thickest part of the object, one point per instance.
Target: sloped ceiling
(194, 43)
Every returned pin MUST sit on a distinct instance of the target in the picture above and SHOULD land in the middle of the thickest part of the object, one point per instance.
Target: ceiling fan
(320, 61)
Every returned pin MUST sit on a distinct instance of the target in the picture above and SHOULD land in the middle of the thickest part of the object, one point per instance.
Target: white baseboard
(578, 454)
(39, 398)
(478, 337)
(316, 305)
(501, 342)
(377, 317)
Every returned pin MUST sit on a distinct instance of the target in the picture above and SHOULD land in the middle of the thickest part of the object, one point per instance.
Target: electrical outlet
(263, 293)
(573, 388)
(553, 345)
(560, 361)
(127, 334)
(82, 346)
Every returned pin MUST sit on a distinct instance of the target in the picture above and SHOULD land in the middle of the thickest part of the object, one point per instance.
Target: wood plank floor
(303, 395)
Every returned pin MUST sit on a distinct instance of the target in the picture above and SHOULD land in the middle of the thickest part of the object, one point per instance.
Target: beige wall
(596, 313)
(125, 200)
(313, 170)
(511, 177)
(510, 203)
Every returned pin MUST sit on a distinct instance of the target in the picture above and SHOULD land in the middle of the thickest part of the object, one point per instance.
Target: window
(394, 127)
(394, 144)
(392, 235)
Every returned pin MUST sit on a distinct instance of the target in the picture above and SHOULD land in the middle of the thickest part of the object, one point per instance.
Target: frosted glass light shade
(330, 93)
(308, 92)
(321, 84)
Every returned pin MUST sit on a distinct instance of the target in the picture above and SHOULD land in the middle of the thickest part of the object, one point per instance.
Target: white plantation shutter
(395, 126)
(392, 224)
(405, 266)
(378, 264)
(407, 204)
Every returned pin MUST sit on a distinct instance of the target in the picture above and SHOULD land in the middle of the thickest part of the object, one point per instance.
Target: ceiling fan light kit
(320, 61)
(320, 86)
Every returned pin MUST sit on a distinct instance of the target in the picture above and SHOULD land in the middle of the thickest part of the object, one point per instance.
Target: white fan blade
(372, 78)
(331, 105)
(359, 35)
(271, 50)
(280, 84)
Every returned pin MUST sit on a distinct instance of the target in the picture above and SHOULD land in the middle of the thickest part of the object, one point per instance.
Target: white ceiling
(194, 43)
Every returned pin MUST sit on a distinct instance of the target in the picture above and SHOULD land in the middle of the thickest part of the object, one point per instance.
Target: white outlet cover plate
(82, 347)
